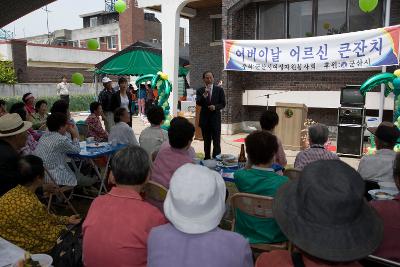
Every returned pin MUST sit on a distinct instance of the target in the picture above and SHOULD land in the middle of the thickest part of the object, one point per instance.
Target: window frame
(93, 19)
(314, 20)
(110, 43)
(214, 20)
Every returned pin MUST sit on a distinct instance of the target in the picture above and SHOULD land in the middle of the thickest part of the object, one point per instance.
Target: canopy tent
(137, 59)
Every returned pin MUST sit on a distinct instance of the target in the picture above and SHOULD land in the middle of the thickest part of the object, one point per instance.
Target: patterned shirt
(25, 222)
(314, 153)
(95, 129)
(378, 167)
(53, 149)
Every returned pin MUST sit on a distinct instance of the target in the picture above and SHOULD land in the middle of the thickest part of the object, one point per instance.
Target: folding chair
(292, 173)
(260, 207)
(155, 194)
(60, 190)
(83, 129)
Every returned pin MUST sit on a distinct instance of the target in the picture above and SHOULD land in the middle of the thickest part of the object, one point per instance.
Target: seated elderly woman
(325, 216)
(40, 117)
(95, 129)
(121, 132)
(116, 228)
(260, 179)
(175, 153)
(317, 137)
(24, 220)
(32, 137)
(60, 106)
(153, 136)
(194, 206)
(53, 148)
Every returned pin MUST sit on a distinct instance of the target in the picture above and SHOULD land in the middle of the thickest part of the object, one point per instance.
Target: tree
(7, 73)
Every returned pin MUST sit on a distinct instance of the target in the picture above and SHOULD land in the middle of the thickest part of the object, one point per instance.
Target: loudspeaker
(351, 115)
(350, 140)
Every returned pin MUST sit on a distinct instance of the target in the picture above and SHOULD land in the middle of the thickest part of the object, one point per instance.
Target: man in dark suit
(211, 98)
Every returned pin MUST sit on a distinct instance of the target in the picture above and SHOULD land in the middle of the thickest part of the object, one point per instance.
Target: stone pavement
(228, 146)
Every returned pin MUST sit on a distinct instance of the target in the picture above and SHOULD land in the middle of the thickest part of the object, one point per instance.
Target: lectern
(291, 122)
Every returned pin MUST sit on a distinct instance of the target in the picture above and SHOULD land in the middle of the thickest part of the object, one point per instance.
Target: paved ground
(227, 144)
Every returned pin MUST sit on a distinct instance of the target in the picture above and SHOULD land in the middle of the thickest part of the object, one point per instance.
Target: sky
(64, 14)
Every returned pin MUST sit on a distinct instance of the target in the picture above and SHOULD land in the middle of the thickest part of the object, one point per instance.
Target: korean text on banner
(356, 50)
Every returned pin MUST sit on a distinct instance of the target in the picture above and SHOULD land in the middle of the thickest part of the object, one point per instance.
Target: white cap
(106, 80)
(195, 201)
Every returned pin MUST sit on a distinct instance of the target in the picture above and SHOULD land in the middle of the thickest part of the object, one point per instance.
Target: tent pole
(382, 95)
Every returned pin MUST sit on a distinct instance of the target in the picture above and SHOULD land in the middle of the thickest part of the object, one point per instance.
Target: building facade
(279, 19)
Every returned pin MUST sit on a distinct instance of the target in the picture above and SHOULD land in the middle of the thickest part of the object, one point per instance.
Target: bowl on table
(224, 157)
(382, 194)
(388, 186)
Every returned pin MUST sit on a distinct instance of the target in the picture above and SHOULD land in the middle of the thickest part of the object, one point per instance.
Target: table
(90, 154)
(9, 253)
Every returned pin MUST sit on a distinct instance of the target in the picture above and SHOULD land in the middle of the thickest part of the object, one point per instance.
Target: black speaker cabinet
(350, 140)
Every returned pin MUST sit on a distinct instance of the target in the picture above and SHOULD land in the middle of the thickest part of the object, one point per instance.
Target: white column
(382, 95)
(170, 19)
(170, 48)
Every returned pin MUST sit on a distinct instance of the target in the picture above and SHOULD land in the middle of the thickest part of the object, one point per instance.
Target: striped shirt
(53, 149)
(314, 153)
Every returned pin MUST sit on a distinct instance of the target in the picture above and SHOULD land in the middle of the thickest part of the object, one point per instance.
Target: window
(216, 29)
(271, 21)
(304, 18)
(331, 17)
(93, 21)
(300, 19)
(112, 42)
(359, 20)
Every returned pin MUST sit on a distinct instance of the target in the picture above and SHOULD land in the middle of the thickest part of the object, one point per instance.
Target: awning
(137, 59)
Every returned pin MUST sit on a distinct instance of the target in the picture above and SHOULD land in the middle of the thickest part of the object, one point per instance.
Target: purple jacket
(167, 246)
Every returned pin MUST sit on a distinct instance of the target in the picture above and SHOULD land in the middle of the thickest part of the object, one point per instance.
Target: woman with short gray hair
(117, 225)
(317, 136)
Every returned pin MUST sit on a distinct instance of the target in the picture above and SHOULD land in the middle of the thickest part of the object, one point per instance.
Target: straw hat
(12, 124)
(195, 201)
(324, 213)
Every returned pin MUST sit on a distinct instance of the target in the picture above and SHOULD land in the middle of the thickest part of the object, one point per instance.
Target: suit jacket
(116, 101)
(208, 117)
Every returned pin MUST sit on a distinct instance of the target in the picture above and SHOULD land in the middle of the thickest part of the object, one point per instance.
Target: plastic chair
(260, 207)
(60, 190)
(155, 194)
(82, 129)
(292, 173)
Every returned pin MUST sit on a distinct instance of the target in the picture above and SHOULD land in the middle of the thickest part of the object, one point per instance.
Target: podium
(197, 134)
(291, 123)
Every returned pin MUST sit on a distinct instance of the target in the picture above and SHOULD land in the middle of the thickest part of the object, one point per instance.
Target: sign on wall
(356, 50)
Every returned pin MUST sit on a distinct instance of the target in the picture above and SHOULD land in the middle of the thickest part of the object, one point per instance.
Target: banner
(356, 50)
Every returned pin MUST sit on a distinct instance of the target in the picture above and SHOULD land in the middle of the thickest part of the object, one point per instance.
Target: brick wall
(131, 23)
(53, 75)
(18, 49)
(238, 22)
(203, 56)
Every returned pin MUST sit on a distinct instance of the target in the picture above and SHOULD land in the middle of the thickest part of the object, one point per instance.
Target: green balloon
(120, 6)
(92, 44)
(77, 78)
(376, 80)
(368, 5)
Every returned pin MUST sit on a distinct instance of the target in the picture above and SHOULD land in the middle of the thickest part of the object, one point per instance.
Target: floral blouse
(95, 129)
(25, 222)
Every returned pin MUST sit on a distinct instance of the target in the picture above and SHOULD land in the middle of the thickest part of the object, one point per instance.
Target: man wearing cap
(379, 167)
(13, 135)
(324, 214)
(105, 99)
(194, 206)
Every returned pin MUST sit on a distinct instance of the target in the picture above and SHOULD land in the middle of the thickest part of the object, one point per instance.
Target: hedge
(76, 102)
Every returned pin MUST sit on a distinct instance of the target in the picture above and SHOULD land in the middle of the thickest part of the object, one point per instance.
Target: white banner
(356, 50)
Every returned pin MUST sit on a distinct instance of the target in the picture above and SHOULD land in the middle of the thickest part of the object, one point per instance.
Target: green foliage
(7, 73)
(76, 102)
